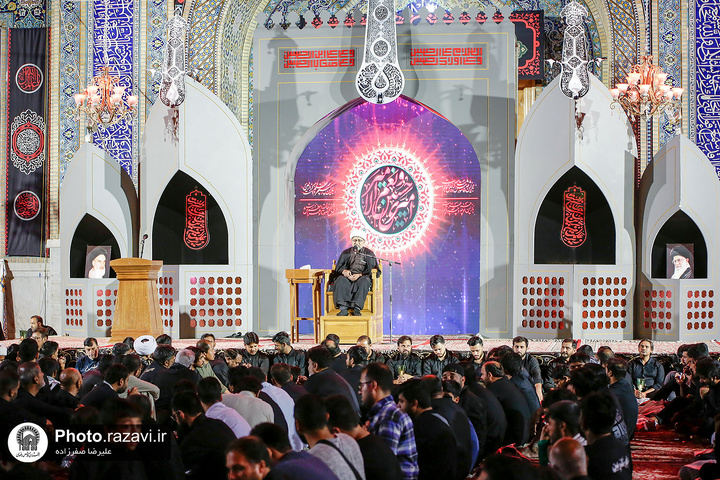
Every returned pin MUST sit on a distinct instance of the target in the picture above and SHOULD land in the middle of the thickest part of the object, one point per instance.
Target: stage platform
(420, 342)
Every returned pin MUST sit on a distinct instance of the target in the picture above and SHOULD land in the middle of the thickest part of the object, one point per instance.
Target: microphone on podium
(142, 244)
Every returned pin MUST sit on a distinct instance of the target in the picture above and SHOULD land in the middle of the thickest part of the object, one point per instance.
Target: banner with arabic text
(26, 142)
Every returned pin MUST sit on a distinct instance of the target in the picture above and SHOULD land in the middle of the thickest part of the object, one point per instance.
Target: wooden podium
(137, 308)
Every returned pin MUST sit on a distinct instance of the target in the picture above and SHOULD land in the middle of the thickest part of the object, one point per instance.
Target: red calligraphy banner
(196, 234)
(318, 59)
(573, 233)
(472, 56)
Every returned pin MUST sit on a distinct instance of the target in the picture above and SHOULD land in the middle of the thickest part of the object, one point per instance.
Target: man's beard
(679, 270)
(97, 273)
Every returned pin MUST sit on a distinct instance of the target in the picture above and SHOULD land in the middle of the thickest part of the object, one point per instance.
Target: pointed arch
(90, 232)
(679, 229)
(597, 223)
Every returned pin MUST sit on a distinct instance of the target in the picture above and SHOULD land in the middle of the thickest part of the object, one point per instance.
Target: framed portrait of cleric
(97, 261)
(680, 260)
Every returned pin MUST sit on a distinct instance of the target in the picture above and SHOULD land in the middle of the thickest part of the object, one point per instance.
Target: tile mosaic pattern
(68, 128)
(707, 84)
(24, 13)
(120, 24)
(156, 19)
(203, 24)
(669, 56)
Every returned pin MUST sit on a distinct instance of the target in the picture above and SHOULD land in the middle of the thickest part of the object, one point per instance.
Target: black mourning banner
(26, 142)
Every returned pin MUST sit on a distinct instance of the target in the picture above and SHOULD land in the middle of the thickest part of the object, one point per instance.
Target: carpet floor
(659, 455)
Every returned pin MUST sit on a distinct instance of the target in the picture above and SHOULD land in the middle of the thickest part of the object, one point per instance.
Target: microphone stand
(390, 265)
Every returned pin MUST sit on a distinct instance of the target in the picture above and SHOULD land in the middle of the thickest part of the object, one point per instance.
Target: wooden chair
(350, 327)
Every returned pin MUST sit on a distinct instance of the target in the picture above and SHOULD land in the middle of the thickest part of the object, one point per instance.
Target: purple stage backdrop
(411, 180)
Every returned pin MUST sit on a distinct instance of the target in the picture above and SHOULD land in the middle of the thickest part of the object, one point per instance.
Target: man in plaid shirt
(387, 421)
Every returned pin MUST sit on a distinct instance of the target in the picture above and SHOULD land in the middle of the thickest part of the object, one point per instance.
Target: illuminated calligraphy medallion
(573, 233)
(196, 235)
(389, 194)
(27, 141)
(26, 205)
(29, 78)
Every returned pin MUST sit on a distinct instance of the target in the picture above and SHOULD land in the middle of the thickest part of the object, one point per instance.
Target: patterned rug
(659, 455)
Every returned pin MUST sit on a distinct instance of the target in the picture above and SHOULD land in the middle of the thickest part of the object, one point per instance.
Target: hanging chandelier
(645, 94)
(105, 102)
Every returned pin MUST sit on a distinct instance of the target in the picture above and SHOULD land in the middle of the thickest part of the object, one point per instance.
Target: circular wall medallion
(389, 194)
(29, 78)
(382, 12)
(26, 205)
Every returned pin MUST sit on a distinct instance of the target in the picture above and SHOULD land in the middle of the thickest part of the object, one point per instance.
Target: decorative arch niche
(428, 174)
(90, 232)
(679, 229)
(575, 224)
(180, 235)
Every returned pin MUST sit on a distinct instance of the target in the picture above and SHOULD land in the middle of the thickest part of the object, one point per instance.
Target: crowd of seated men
(354, 414)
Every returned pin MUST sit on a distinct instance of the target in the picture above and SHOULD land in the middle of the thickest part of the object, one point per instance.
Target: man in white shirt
(243, 399)
(286, 403)
(209, 392)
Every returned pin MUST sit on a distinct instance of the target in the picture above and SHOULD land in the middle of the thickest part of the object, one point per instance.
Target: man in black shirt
(163, 357)
(251, 354)
(285, 353)
(280, 376)
(477, 351)
(647, 373)
(339, 359)
(512, 400)
(608, 457)
(470, 403)
(36, 322)
(372, 355)
(405, 364)
(323, 381)
(496, 421)
(530, 364)
(616, 369)
(67, 394)
(380, 462)
(433, 364)
(437, 451)
(356, 361)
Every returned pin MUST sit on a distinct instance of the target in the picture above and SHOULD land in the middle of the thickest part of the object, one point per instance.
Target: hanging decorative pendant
(573, 233)
(172, 88)
(575, 80)
(380, 79)
(196, 234)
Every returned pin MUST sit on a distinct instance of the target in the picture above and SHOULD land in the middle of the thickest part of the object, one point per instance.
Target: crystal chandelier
(645, 93)
(105, 102)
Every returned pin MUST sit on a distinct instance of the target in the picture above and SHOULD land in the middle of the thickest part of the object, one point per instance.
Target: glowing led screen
(411, 180)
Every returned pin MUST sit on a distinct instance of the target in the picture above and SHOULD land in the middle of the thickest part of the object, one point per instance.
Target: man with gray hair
(32, 381)
(166, 379)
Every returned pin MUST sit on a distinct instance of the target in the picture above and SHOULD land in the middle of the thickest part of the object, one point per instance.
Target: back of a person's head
(682, 349)
(163, 353)
(498, 352)
(28, 351)
(188, 403)
(49, 348)
(9, 380)
(560, 371)
(163, 339)
(451, 387)
(203, 345)
(86, 416)
(358, 355)
(311, 413)
(604, 354)
(236, 373)
(697, 351)
(273, 436)
(185, 357)
(130, 342)
(418, 390)
(380, 374)
(618, 367)
(115, 373)
(253, 449)
(280, 372)
(104, 362)
(588, 379)
(470, 371)
(257, 373)
(116, 409)
(566, 411)
(586, 349)
(143, 404)
(246, 383)
(598, 412)
(341, 413)
(494, 369)
(432, 385)
(579, 357)
(132, 362)
(512, 364)
(120, 348)
(707, 368)
(184, 385)
(507, 467)
(49, 366)
(557, 395)
(209, 390)
(27, 372)
(12, 351)
(320, 355)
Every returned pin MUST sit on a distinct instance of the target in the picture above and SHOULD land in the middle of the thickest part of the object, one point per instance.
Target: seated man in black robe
(351, 279)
